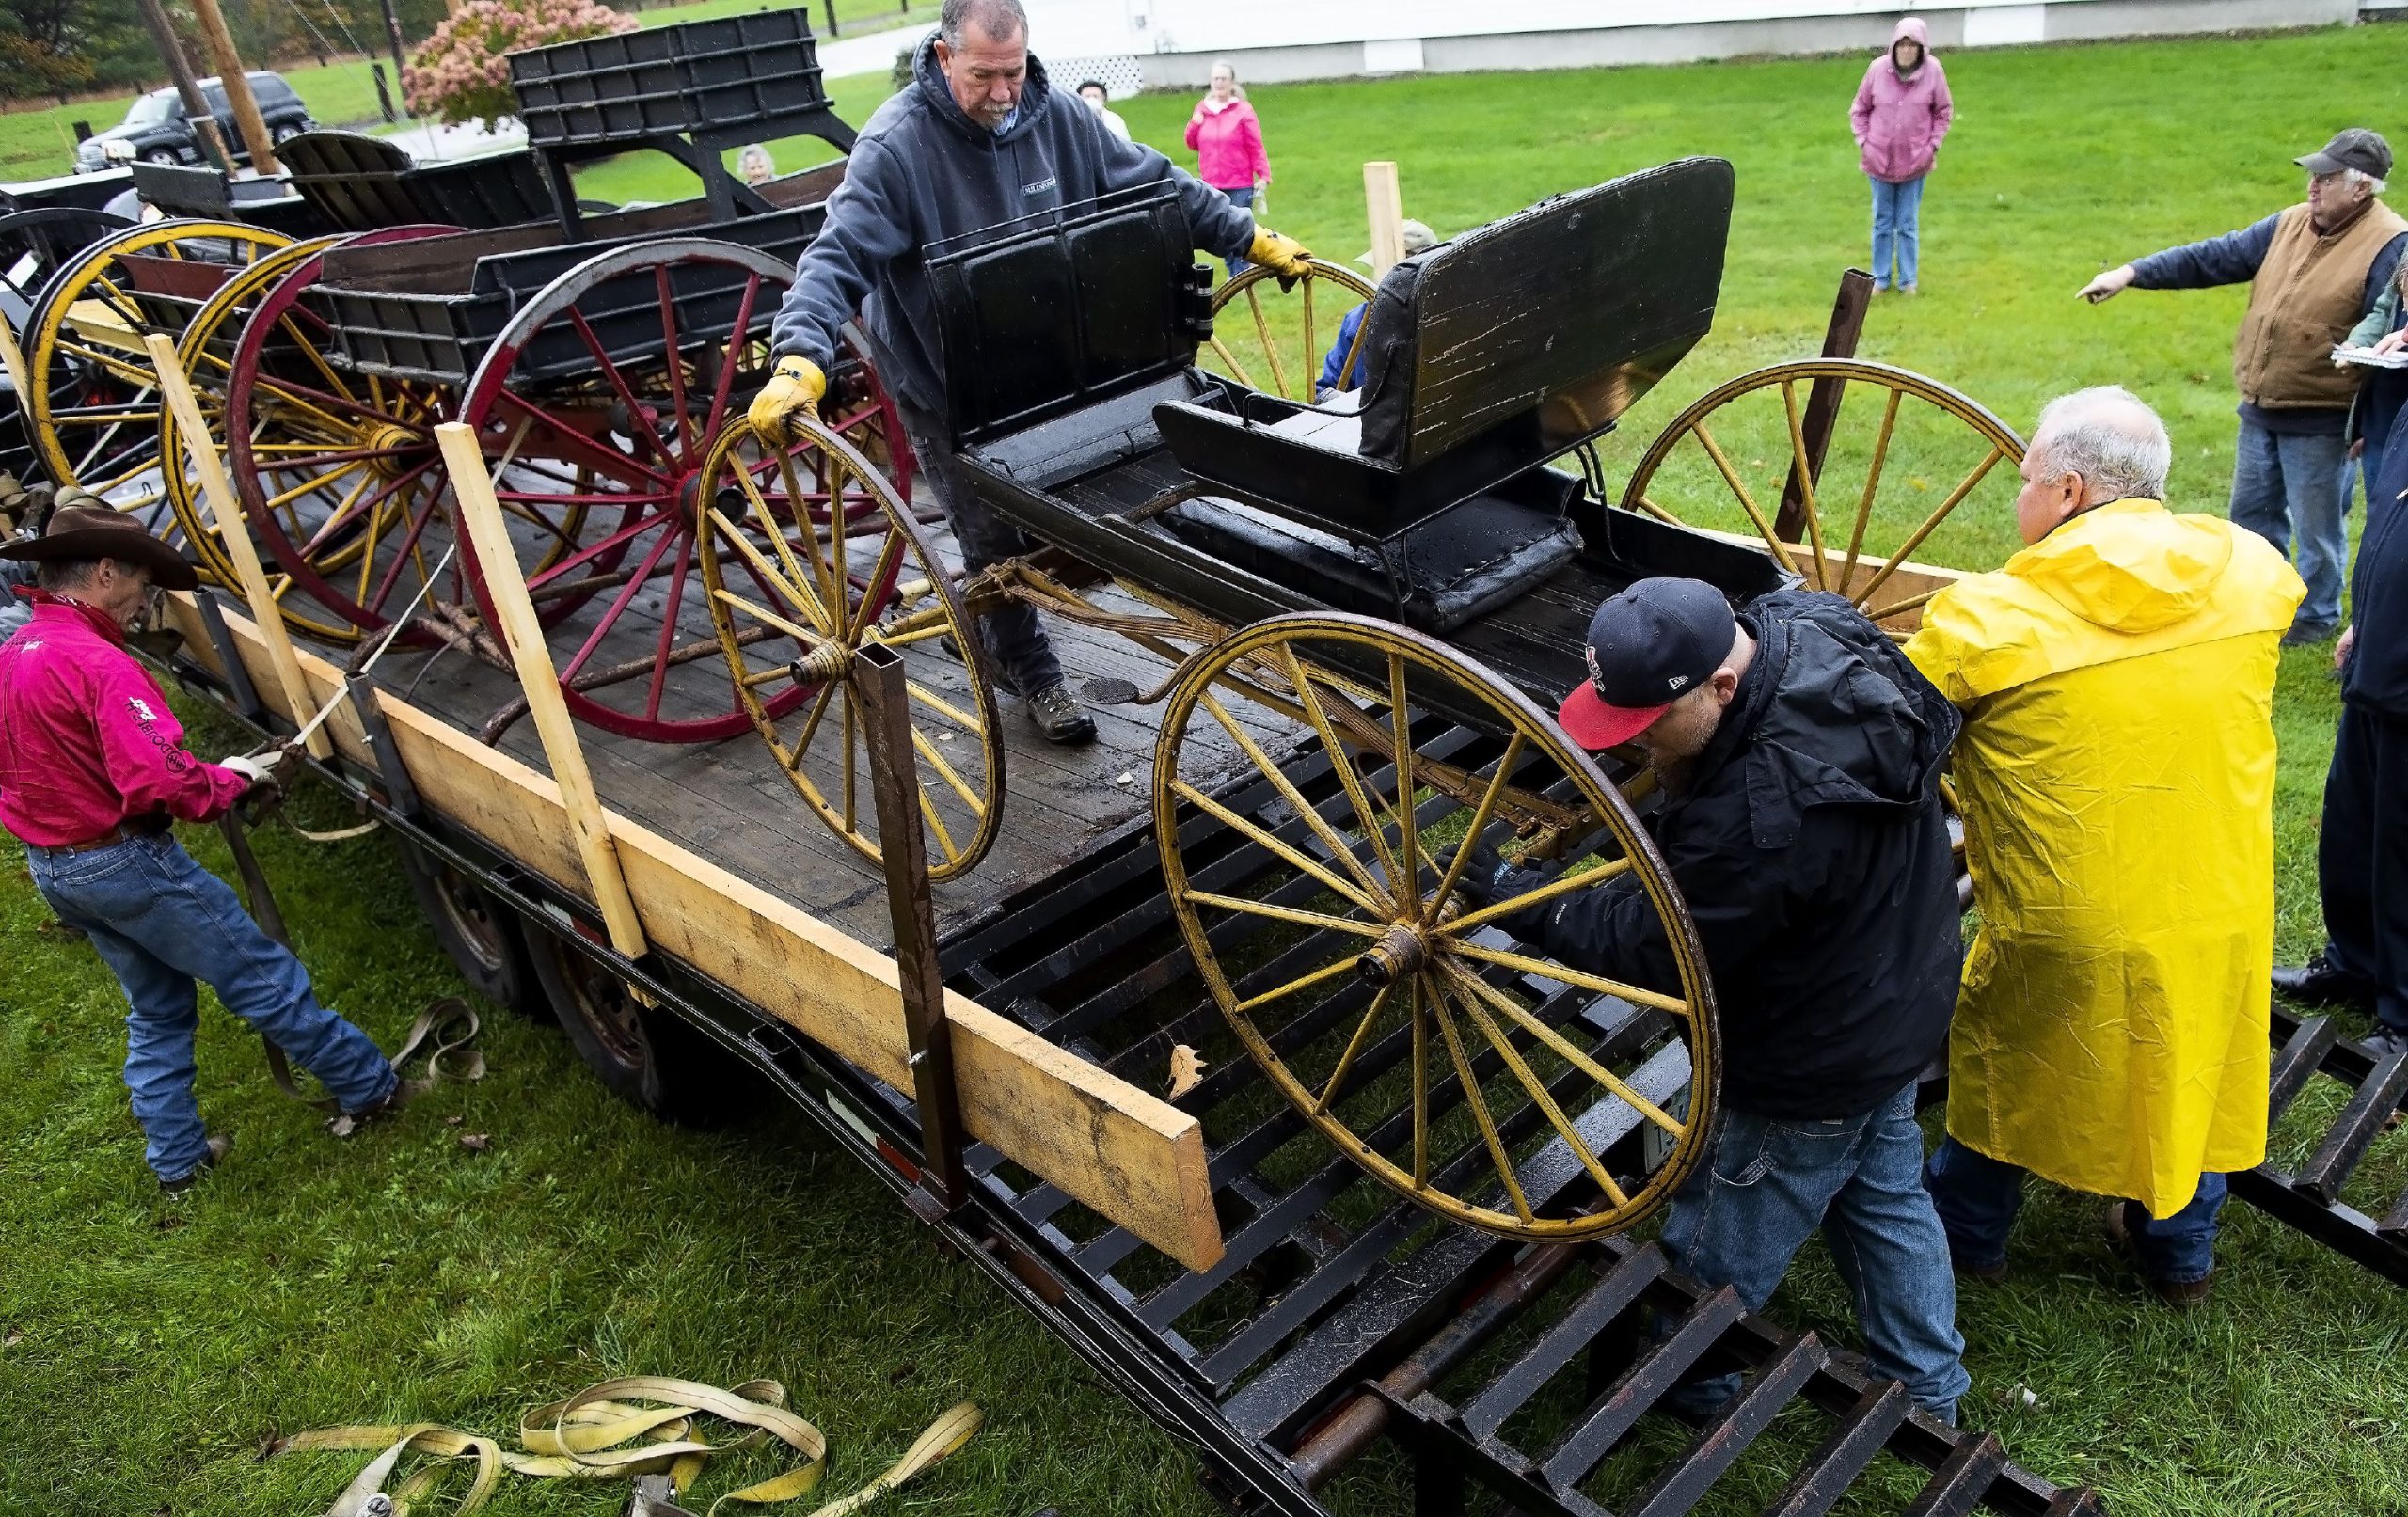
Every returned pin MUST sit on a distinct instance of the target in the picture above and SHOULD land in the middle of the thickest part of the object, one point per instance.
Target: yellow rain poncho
(2117, 775)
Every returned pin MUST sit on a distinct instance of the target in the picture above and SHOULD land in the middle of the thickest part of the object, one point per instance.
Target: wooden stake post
(12, 361)
(498, 561)
(1385, 202)
(1823, 403)
(233, 531)
(237, 85)
(197, 112)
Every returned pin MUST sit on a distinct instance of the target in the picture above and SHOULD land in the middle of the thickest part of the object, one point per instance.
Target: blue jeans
(2291, 483)
(1745, 1212)
(2367, 467)
(161, 922)
(1015, 641)
(1245, 198)
(1896, 225)
(1978, 1196)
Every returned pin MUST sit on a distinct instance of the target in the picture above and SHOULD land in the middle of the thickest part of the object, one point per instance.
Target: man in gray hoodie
(978, 138)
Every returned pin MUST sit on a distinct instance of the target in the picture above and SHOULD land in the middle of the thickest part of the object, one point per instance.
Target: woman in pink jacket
(1228, 140)
(1901, 114)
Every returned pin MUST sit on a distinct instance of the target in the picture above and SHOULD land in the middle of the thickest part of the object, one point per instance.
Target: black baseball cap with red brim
(1647, 647)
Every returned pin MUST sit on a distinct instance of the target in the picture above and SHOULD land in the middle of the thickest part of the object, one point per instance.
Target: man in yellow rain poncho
(2117, 775)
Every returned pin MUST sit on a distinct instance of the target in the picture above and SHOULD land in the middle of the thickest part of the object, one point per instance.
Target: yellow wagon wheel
(95, 404)
(1456, 1066)
(206, 353)
(809, 556)
(1285, 334)
(1906, 452)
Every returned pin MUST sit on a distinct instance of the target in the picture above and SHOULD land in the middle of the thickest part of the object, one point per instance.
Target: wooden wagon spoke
(810, 725)
(619, 604)
(1477, 1102)
(1343, 964)
(1237, 369)
(1571, 1052)
(1900, 608)
(1565, 974)
(935, 758)
(1304, 809)
(1802, 470)
(936, 826)
(768, 618)
(1354, 1046)
(964, 719)
(880, 571)
(1270, 349)
(1562, 885)
(575, 447)
(775, 582)
(1400, 724)
(318, 360)
(117, 364)
(1294, 915)
(1939, 514)
(1264, 838)
(851, 719)
(724, 388)
(1400, 886)
(1470, 840)
(311, 486)
(668, 636)
(1747, 501)
(803, 585)
(1872, 487)
(1540, 1096)
(620, 537)
(671, 348)
(1420, 1088)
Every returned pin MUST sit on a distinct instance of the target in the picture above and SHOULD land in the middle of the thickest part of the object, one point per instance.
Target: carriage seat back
(363, 183)
(1550, 324)
(1050, 313)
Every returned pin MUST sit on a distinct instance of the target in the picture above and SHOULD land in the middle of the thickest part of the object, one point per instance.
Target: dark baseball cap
(2350, 148)
(1648, 646)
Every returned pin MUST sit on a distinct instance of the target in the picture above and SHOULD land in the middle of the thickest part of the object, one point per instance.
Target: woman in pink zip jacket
(1901, 114)
(1228, 140)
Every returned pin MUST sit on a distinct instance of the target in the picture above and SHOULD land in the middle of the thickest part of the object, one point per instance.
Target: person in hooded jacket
(1900, 116)
(2362, 843)
(980, 138)
(2117, 779)
(1800, 755)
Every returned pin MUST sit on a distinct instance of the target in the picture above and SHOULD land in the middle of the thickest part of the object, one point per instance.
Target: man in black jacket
(1800, 755)
(2362, 846)
(978, 138)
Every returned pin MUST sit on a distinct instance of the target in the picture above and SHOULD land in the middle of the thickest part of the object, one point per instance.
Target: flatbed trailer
(1307, 1313)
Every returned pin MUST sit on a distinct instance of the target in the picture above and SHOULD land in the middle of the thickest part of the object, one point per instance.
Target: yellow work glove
(794, 386)
(1284, 256)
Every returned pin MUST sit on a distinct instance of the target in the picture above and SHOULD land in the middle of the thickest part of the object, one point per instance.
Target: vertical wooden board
(1383, 201)
(1120, 1151)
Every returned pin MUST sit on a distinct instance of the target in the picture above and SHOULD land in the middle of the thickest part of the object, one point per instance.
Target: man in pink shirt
(93, 771)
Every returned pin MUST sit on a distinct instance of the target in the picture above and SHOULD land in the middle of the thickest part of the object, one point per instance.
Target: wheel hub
(397, 444)
(1393, 956)
(825, 664)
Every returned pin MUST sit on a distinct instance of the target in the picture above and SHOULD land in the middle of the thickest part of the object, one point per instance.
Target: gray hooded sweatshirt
(923, 171)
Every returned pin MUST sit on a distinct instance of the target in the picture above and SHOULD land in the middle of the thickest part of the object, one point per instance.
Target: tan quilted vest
(2306, 298)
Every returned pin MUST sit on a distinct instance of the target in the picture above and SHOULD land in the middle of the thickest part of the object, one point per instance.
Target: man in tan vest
(2313, 271)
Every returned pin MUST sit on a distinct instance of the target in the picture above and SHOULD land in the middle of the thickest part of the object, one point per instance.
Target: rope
(620, 1429)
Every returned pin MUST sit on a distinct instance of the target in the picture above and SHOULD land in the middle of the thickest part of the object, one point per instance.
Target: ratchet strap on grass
(618, 1429)
(443, 1032)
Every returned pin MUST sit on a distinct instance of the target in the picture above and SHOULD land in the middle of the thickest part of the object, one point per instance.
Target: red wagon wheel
(338, 470)
(604, 392)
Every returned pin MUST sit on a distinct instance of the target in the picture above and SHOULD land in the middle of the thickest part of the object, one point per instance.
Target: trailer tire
(653, 1060)
(481, 936)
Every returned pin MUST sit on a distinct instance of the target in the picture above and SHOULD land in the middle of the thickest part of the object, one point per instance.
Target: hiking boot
(1058, 715)
(1988, 1274)
(2384, 1042)
(218, 1148)
(2321, 982)
(2179, 1294)
(2308, 633)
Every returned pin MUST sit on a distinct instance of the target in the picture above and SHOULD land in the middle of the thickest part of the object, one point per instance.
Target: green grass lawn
(148, 1348)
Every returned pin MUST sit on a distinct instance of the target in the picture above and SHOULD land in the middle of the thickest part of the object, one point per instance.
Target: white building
(1156, 44)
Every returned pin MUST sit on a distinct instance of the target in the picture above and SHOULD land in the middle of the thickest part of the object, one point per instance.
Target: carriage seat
(364, 183)
(1434, 578)
(1485, 357)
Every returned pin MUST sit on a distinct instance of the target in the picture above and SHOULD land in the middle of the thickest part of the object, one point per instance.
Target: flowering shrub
(463, 73)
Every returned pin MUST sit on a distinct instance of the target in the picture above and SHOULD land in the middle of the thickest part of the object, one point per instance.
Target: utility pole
(171, 52)
(393, 36)
(237, 87)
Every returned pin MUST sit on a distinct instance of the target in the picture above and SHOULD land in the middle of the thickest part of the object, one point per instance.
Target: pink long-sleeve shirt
(1228, 145)
(87, 740)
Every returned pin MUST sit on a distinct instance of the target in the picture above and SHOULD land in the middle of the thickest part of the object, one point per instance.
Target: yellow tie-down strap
(618, 1429)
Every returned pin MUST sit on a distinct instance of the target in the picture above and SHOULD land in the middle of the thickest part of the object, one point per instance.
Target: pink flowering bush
(463, 72)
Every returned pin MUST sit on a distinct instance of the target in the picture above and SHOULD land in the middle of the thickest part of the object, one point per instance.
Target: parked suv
(156, 131)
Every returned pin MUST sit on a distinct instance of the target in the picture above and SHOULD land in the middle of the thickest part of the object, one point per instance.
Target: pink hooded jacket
(1898, 120)
(1228, 145)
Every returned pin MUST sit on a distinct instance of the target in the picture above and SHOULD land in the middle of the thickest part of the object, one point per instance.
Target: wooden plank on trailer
(546, 706)
(1130, 1157)
(233, 532)
(1910, 581)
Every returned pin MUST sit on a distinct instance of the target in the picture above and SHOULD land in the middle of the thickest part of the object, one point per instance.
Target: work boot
(2179, 1294)
(218, 1148)
(2384, 1042)
(1058, 715)
(2321, 982)
(347, 1123)
(2308, 633)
